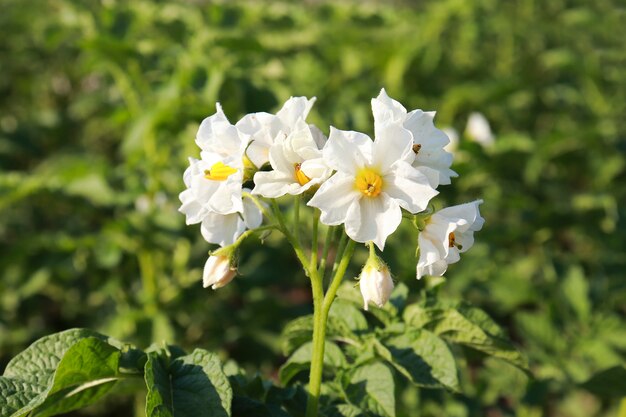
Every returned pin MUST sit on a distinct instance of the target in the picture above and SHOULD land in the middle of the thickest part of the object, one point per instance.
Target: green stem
(321, 308)
(249, 232)
(314, 247)
(260, 205)
(330, 231)
(340, 248)
(338, 277)
(296, 217)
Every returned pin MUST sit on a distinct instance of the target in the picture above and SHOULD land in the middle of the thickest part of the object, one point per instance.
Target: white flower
(213, 186)
(297, 164)
(448, 233)
(374, 180)
(218, 271)
(478, 130)
(263, 128)
(428, 141)
(224, 229)
(375, 283)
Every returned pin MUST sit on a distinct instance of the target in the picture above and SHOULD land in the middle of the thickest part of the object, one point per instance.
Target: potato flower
(448, 233)
(372, 182)
(297, 164)
(263, 128)
(213, 186)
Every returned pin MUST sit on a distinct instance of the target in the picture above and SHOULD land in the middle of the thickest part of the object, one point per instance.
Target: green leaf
(344, 410)
(193, 385)
(371, 387)
(610, 383)
(88, 370)
(38, 362)
(350, 314)
(469, 326)
(422, 357)
(15, 394)
(575, 290)
(301, 360)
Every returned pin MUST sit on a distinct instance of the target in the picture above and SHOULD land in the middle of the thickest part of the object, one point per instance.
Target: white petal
(347, 151)
(216, 134)
(467, 211)
(316, 169)
(205, 131)
(422, 126)
(295, 108)
(301, 143)
(393, 143)
(222, 229)
(193, 210)
(227, 197)
(260, 126)
(258, 152)
(252, 215)
(373, 219)
(409, 187)
(334, 198)
(436, 269)
(453, 256)
(273, 184)
(318, 136)
(386, 110)
(278, 159)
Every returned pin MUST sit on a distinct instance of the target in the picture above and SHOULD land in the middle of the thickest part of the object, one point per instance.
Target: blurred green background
(100, 102)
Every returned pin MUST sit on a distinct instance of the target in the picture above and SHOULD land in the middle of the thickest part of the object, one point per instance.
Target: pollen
(451, 240)
(219, 172)
(300, 176)
(369, 182)
(416, 148)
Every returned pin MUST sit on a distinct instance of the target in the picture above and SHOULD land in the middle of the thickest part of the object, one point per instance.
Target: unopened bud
(376, 283)
(218, 271)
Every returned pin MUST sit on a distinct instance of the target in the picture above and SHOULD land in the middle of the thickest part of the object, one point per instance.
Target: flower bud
(218, 271)
(375, 282)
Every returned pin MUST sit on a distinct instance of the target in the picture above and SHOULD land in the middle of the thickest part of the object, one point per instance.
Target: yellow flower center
(219, 172)
(368, 182)
(300, 176)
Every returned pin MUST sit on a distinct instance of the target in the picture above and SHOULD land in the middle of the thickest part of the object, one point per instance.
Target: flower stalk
(321, 308)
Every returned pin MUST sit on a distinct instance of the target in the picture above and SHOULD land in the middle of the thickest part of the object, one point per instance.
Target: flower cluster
(366, 185)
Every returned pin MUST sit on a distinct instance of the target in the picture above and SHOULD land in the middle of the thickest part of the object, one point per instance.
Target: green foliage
(371, 388)
(99, 104)
(191, 385)
(363, 351)
(73, 369)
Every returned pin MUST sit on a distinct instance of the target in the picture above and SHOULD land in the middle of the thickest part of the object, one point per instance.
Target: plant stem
(330, 231)
(314, 247)
(296, 217)
(340, 249)
(321, 308)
